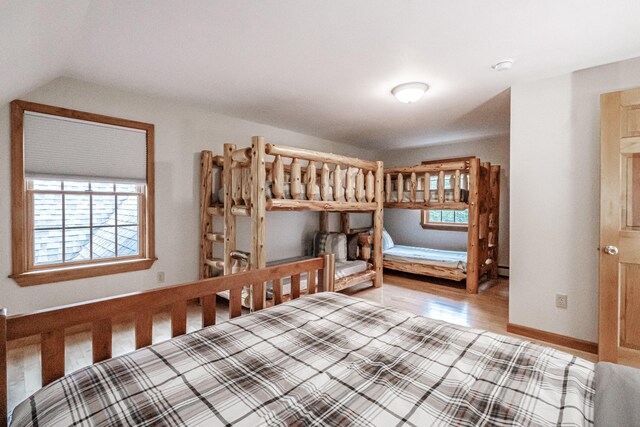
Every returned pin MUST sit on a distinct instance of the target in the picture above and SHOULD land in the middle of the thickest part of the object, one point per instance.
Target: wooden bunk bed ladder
(209, 266)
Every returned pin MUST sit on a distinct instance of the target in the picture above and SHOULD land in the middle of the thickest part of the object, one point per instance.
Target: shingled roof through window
(48, 214)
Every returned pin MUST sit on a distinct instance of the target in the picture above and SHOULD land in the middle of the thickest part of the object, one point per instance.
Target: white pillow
(387, 241)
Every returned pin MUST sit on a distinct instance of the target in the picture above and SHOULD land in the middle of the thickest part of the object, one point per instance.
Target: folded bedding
(426, 256)
(347, 268)
(326, 360)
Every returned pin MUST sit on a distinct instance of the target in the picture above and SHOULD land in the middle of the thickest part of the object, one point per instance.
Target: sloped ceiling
(324, 68)
(37, 39)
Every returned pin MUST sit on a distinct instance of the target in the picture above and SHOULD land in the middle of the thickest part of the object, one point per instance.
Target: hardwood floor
(488, 310)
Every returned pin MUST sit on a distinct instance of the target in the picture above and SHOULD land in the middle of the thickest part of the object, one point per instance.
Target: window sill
(445, 227)
(40, 277)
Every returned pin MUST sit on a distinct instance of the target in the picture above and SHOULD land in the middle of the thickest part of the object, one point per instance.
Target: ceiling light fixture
(503, 65)
(408, 93)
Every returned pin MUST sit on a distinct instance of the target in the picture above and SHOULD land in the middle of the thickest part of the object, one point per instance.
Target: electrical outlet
(160, 276)
(561, 300)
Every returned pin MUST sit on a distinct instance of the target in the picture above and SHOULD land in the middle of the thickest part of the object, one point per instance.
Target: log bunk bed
(268, 177)
(461, 184)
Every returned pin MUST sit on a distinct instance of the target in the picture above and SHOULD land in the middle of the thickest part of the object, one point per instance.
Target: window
(75, 222)
(82, 194)
(449, 216)
(453, 220)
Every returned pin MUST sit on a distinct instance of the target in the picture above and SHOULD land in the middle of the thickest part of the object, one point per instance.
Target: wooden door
(619, 327)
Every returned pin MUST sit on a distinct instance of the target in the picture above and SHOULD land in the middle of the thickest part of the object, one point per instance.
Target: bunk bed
(326, 359)
(266, 177)
(448, 185)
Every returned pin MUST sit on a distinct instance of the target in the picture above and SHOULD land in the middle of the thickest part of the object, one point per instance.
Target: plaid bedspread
(325, 359)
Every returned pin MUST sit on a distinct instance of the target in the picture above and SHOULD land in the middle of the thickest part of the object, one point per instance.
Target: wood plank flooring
(428, 297)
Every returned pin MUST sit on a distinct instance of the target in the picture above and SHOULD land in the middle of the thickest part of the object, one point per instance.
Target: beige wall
(555, 207)
(404, 225)
(181, 133)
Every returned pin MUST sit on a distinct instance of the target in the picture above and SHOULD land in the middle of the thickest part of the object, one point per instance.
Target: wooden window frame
(24, 273)
(447, 226)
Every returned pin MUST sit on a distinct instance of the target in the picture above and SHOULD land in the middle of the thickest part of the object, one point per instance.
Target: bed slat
(427, 187)
(349, 184)
(360, 186)
(235, 302)
(178, 318)
(296, 188)
(52, 356)
(295, 286)
(387, 189)
(144, 329)
(277, 291)
(258, 296)
(208, 310)
(324, 183)
(278, 178)
(311, 180)
(441, 187)
(413, 188)
(101, 340)
(370, 190)
(311, 282)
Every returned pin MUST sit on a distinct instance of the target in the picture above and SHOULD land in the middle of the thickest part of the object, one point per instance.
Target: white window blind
(59, 147)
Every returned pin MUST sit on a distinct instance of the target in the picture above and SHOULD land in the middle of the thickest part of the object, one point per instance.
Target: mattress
(427, 256)
(347, 268)
(325, 360)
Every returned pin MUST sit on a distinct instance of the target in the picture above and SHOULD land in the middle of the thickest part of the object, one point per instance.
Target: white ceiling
(324, 68)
